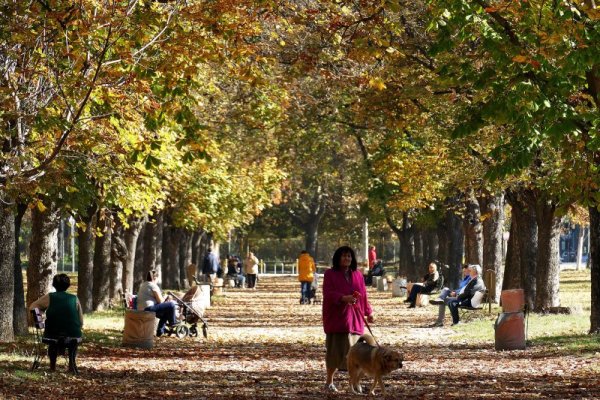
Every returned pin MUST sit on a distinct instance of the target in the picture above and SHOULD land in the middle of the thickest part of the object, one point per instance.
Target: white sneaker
(330, 388)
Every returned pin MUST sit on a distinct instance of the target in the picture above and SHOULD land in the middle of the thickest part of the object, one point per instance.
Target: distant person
(464, 299)
(345, 306)
(210, 266)
(372, 256)
(306, 271)
(64, 319)
(150, 298)
(429, 283)
(251, 269)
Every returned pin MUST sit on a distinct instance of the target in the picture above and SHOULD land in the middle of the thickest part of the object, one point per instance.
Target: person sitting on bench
(464, 299)
(64, 319)
(150, 298)
(448, 295)
(430, 281)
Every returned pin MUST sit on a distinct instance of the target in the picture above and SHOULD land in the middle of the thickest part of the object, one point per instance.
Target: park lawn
(263, 344)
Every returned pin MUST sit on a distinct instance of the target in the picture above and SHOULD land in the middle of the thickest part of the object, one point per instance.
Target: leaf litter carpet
(264, 345)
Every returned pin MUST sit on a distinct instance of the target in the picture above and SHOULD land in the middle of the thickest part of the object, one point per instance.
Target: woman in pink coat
(345, 306)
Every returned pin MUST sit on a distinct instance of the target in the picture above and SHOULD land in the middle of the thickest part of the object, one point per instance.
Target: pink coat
(339, 317)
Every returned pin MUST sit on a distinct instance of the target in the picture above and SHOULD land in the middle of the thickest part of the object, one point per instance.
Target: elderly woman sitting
(64, 320)
(430, 281)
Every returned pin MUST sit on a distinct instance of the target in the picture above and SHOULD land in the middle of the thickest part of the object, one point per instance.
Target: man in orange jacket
(306, 271)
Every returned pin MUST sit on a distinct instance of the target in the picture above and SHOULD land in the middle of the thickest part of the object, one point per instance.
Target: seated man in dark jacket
(464, 299)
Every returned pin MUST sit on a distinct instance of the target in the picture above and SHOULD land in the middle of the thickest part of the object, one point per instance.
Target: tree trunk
(473, 231)
(408, 265)
(548, 263)
(419, 251)
(43, 255)
(118, 255)
(20, 309)
(433, 246)
(443, 242)
(131, 239)
(138, 264)
(493, 231)
(594, 248)
(171, 253)
(580, 232)
(102, 247)
(85, 274)
(153, 242)
(522, 202)
(7, 257)
(311, 234)
(455, 248)
(196, 247)
(185, 256)
(512, 271)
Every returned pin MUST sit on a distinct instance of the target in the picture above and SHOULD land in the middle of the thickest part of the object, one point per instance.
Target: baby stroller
(190, 313)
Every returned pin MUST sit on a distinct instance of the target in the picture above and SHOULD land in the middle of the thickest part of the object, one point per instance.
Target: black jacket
(476, 285)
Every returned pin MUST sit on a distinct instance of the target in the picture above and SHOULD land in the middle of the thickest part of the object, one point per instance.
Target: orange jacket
(306, 268)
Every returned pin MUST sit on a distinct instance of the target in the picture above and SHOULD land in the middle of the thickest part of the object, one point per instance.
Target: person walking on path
(210, 266)
(251, 269)
(345, 306)
(306, 275)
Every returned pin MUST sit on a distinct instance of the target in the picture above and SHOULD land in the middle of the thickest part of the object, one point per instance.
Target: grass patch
(575, 291)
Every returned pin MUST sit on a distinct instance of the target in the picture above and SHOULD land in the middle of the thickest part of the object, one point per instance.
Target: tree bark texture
(138, 264)
(171, 259)
(152, 244)
(523, 203)
(512, 270)
(43, 251)
(455, 248)
(185, 257)
(102, 247)
(548, 263)
(7, 285)
(492, 208)
(130, 238)
(595, 269)
(431, 239)
(473, 231)
(443, 241)
(118, 255)
(419, 251)
(20, 309)
(85, 274)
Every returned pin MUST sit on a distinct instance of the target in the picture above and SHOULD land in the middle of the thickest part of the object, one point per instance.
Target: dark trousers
(251, 280)
(453, 306)
(165, 312)
(58, 346)
(416, 289)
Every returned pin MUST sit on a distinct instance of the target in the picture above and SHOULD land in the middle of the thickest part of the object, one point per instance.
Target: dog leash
(355, 308)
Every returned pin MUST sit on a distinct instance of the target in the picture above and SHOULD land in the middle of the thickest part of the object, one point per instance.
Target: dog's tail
(368, 339)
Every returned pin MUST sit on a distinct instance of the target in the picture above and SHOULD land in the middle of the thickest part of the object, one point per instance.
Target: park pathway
(264, 345)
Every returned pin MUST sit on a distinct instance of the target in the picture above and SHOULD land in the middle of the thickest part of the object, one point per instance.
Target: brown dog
(367, 358)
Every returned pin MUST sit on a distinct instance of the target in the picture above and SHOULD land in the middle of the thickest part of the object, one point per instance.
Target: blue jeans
(165, 312)
(305, 291)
